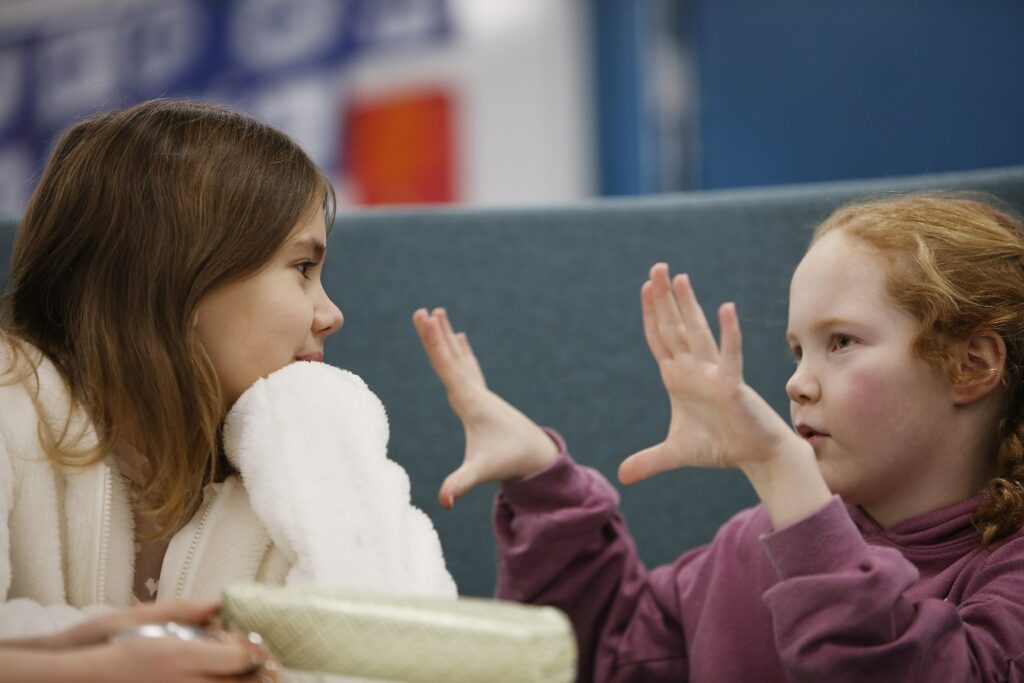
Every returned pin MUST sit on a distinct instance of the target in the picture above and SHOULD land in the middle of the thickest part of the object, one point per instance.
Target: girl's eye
(305, 267)
(841, 341)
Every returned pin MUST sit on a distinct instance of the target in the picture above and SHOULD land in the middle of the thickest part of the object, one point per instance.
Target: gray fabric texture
(550, 299)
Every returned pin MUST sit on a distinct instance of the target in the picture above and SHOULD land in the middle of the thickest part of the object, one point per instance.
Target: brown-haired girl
(888, 545)
(169, 258)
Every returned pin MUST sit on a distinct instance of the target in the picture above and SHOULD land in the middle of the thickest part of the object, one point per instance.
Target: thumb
(647, 463)
(457, 484)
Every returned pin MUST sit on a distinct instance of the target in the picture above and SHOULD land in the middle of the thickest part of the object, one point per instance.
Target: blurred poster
(483, 102)
(401, 148)
(281, 60)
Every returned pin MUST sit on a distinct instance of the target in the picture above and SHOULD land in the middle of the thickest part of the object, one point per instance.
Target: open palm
(501, 442)
(717, 420)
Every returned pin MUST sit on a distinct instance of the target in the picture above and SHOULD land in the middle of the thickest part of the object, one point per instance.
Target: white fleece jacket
(327, 507)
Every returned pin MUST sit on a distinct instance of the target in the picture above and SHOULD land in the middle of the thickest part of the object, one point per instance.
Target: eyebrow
(311, 244)
(823, 325)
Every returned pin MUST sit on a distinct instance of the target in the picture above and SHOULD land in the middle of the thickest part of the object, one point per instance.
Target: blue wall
(804, 90)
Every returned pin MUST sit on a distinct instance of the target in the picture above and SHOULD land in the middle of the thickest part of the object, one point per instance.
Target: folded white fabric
(413, 639)
(310, 442)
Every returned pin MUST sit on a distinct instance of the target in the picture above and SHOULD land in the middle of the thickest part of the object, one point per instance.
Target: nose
(327, 317)
(802, 386)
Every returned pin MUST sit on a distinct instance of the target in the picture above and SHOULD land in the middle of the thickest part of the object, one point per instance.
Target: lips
(808, 432)
(317, 357)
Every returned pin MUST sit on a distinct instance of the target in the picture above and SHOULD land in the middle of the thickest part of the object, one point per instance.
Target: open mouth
(809, 433)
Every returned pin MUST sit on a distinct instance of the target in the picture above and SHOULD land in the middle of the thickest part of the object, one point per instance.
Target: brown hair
(956, 263)
(139, 214)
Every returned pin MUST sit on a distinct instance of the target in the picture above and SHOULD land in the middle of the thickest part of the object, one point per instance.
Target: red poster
(400, 148)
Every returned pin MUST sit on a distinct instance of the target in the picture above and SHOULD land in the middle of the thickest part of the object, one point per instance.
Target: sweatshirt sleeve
(841, 611)
(562, 542)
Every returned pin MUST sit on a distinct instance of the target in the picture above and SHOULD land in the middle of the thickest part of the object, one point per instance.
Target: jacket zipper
(105, 511)
(194, 544)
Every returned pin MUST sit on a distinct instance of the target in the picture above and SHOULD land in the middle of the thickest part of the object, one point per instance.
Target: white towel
(310, 441)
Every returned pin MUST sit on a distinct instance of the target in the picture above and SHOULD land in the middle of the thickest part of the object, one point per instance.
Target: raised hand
(717, 420)
(501, 442)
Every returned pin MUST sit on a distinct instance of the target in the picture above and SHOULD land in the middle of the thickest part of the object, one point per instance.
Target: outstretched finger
(431, 336)
(654, 342)
(448, 333)
(732, 341)
(468, 357)
(698, 332)
(647, 463)
(670, 325)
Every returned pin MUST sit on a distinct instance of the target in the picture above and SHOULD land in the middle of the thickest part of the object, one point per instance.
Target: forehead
(312, 225)
(839, 277)
(308, 236)
(837, 253)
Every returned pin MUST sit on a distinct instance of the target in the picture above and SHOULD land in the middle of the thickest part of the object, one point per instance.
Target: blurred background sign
(539, 101)
(400, 149)
(400, 101)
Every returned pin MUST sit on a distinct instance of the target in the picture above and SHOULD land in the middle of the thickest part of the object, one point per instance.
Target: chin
(836, 482)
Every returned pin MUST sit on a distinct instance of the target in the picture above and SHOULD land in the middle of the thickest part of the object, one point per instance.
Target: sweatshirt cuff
(823, 542)
(560, 485)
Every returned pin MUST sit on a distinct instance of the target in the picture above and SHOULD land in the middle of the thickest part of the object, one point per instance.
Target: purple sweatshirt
(832, 597)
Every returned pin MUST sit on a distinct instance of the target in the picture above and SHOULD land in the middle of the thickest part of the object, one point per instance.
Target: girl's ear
(982, 360)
